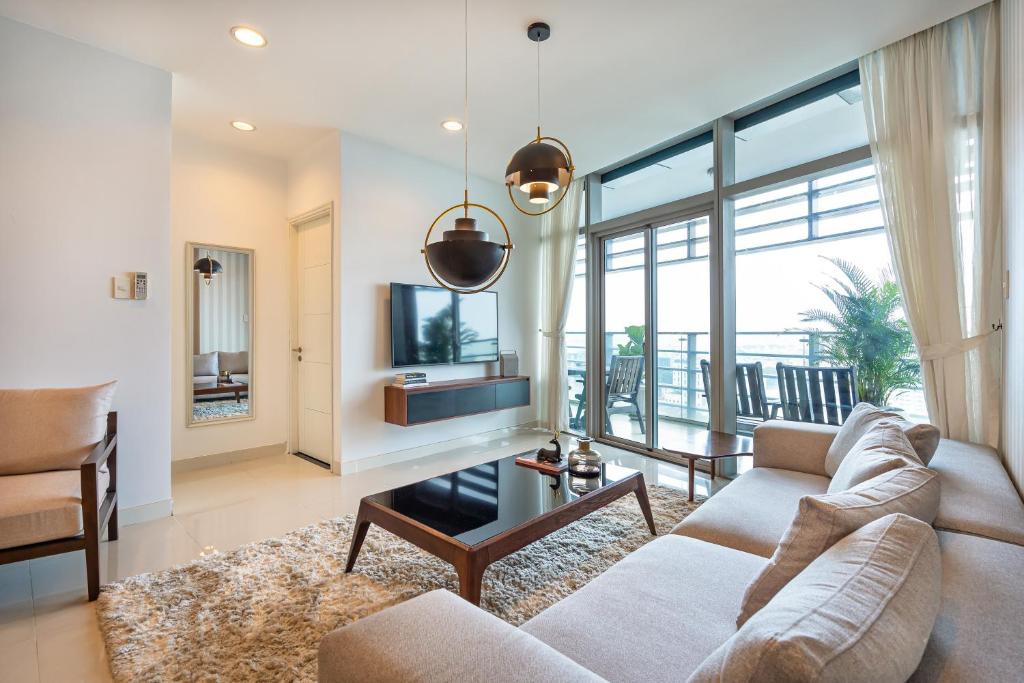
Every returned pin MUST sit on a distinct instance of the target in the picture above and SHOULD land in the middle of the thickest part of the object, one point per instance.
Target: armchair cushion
(51, 429)
(43, 506)
(923, 437)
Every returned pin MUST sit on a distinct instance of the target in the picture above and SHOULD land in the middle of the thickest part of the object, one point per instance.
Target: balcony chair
(58, 474)
(823, 395)
(623, 386)
(751, 400)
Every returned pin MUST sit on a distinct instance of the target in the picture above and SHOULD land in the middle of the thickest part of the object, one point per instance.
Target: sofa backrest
(51, 429)
(205, 364)
(233, 361)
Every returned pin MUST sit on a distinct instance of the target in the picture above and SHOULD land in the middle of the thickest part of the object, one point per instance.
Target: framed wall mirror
(220, 301)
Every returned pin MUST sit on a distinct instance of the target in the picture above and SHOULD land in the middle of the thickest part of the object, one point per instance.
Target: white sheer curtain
(558, 231)
(932, 106)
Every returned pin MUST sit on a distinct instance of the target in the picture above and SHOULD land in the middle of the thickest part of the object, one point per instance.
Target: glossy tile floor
(48, 630)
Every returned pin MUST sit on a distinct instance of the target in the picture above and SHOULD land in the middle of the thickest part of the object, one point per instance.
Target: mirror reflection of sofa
(206, 368)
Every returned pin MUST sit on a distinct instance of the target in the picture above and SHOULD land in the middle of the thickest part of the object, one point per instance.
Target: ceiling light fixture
(208, 268)
(454, 125)
(540, 169)
(465, 261)
(247, 36)
(243, 126)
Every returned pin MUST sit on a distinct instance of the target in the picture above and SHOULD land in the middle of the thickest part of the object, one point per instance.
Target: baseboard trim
(217, 459)
(145, 513)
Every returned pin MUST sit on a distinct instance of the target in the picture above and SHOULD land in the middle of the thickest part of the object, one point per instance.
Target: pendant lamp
(540, 169)
(208, 268)
(465, 260)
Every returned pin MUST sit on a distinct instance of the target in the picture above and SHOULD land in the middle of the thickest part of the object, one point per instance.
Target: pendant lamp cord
(538, 90)
(465, 103)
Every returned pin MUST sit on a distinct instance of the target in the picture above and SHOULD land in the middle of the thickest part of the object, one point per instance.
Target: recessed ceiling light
(452, 125)
(248, 36)
(243, 126)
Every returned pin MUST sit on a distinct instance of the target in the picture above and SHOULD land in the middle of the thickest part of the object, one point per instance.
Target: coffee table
(478, 515)
(207, 388)
(709, 445)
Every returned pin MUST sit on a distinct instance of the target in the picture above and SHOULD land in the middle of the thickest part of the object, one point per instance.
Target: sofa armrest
(438, 636)
(797, 446)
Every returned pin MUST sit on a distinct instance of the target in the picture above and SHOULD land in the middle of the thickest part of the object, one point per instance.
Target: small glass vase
(584, 461)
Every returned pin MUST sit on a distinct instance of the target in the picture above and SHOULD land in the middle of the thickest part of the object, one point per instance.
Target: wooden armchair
(50, 496)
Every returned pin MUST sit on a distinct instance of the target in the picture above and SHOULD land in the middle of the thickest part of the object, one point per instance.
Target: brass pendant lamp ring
(508, 247)
(565, 190)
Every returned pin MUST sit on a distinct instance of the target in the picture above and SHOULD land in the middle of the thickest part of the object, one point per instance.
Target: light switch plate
(121, 285)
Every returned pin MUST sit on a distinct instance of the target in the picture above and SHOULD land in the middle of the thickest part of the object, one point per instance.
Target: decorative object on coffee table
(551, 454)
(710, 445)
(455, 516)
(583, 460)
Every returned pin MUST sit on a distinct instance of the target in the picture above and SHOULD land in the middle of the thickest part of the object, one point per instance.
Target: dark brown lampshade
(538, 163)
(464, 257)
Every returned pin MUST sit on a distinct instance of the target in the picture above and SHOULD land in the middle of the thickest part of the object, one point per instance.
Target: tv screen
(432, 326)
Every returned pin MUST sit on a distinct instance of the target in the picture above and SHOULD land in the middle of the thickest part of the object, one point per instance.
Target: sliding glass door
(625, 292)
(654, 332)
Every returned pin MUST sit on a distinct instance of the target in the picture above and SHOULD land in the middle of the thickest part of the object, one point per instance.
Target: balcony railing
(680, 385)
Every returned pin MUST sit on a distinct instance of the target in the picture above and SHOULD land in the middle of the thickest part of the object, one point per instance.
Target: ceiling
(618, 77)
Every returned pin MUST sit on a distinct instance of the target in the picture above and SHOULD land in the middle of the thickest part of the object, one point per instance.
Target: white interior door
(312, 351)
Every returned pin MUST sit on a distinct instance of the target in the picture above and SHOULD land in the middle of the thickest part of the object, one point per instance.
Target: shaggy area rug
(204, 411)
(257, 613)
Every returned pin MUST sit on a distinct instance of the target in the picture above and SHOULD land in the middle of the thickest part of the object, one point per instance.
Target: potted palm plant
(868, 332)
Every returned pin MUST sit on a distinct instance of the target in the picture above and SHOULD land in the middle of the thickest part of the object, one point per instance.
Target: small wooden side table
(709, 445)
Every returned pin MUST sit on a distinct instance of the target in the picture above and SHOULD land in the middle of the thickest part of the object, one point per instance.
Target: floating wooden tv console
(407, 406)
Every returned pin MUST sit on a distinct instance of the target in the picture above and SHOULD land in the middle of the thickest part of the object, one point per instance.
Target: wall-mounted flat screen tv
(433, 326)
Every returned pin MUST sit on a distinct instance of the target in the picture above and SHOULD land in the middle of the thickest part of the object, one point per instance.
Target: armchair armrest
(796, 446)
(439, 636)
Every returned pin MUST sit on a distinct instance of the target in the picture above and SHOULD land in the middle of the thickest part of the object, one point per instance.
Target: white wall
(1013, 224)
(84, 176)
(224, 196)
(388, 200)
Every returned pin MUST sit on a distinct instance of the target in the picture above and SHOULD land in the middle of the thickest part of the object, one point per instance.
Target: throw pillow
(205, 365)
(882, 448)
(822, 520)
(234, 362)
(51, 429)
(863, 611)
(923, 437)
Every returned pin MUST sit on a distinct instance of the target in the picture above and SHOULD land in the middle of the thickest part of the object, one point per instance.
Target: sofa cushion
(438, 636)
(233, 361)
(688, 591)
(977, 634)
(752, 512)
(882, 448)
(923, 437)
(862, 611)
(977, 495)
(822, 520)
(205, 364)
(43, 506)
(51, 429)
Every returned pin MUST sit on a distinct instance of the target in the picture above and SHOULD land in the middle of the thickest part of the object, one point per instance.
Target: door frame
(646, 223)
(294, 223)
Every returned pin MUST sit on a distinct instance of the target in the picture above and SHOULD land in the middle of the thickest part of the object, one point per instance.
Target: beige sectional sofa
(668, 611)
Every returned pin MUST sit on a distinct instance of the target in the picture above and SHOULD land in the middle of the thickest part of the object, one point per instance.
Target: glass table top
(478, 503)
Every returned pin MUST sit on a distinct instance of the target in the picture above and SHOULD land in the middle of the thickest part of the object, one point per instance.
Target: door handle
(298, 350)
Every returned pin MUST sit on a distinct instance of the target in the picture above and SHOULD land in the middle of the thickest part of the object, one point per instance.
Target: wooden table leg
(358, 536)
(471, 575)
(691, 463)
(645, 505)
